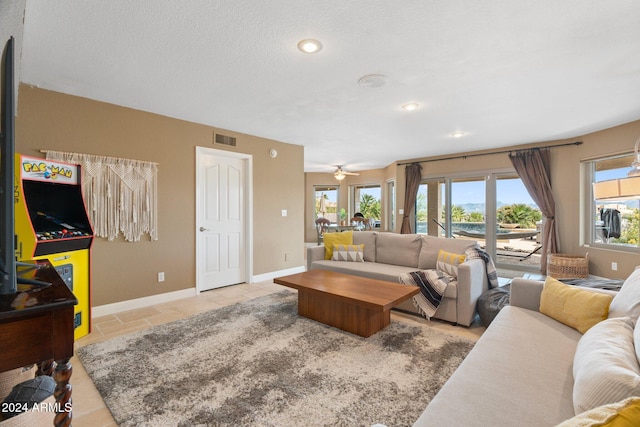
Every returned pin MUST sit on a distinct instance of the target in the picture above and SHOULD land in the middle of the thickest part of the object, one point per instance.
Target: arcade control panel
(62, 231)
(60, 234)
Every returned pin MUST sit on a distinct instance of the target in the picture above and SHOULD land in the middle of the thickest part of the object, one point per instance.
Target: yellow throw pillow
(448, 262)
(578, 308)
(620, 414)
(332, 239)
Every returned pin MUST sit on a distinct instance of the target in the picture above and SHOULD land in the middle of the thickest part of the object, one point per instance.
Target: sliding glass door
(518, 225)
(430, 204)
(496, 210)
(468, 208)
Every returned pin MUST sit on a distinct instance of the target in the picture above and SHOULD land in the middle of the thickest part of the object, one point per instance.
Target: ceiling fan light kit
(340, 173)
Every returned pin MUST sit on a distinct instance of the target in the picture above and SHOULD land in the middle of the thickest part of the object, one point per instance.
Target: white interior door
(221, 225)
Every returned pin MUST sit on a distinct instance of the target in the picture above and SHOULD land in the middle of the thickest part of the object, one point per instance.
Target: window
(391, 206)
(366, 200)
(612, 223)
(516, 214)
(430, 208)
(326, 198)
(496, 210)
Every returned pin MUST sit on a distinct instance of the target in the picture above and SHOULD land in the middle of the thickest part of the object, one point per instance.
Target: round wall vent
(372, 81)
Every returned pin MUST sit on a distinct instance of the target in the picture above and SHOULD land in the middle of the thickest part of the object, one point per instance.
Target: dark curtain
(534, 170)
(413, 175)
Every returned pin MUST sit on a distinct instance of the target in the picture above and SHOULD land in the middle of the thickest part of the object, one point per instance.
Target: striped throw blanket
(492, 274)
(432, 284)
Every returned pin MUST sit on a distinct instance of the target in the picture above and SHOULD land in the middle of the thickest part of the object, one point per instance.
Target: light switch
(284, 212)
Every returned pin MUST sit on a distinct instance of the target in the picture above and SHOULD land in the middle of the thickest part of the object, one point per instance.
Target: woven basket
(564, 266)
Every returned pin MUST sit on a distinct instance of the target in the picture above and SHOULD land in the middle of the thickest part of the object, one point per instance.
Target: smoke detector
(372, 81)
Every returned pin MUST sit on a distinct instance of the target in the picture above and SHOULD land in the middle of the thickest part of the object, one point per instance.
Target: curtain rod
(464, 156)
(103, 157)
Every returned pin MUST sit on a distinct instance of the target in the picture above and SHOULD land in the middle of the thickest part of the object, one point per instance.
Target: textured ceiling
(503, 71)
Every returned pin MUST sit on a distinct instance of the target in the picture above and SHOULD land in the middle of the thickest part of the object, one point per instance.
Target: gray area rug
(258, 363)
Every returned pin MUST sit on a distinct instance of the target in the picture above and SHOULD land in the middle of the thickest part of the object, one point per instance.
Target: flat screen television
(8, 285)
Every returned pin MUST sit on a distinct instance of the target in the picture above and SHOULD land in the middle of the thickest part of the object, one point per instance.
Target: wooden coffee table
(354, 304)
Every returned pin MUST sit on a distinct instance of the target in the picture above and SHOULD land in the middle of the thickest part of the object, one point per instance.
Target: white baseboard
(117, 307)
(273, 274)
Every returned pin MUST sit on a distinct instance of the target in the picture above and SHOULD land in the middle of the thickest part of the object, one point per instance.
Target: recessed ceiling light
(458, 134)
(410, 106)
(309, 46)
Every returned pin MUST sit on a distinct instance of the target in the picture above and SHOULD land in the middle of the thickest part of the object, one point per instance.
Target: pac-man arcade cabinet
(51, 222)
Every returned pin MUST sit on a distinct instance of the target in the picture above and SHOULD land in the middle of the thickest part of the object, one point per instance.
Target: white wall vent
(229, 141)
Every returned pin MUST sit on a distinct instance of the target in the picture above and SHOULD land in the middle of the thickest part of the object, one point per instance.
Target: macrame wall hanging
(121, 194)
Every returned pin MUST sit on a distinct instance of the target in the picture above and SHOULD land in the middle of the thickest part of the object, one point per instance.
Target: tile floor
(88, 407)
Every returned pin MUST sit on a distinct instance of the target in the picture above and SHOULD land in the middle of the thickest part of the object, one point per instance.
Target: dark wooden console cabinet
(36, 327)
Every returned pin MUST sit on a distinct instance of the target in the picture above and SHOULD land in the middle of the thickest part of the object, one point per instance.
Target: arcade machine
(51, 223)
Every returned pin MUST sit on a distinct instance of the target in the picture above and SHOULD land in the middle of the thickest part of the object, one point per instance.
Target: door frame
(248, 206)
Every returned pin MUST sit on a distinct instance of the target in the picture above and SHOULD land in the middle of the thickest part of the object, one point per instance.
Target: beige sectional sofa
(388, 255)
(521, 371)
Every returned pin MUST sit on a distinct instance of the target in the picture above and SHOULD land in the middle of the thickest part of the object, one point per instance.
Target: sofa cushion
(578, 308)
(332, 239)
(448, 262)
(625, 413)
(431, 246)
(627, 302)
(605, 367)
(520, 367)
(398, 249)
(368, 239)
(351, 253)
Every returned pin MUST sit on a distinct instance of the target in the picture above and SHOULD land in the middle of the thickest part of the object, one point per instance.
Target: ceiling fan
(341, 173)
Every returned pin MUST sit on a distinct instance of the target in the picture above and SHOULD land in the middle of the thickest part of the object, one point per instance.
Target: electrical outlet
(161, 276)
(614, 266)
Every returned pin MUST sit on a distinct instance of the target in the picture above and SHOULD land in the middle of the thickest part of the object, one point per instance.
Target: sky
(510, 191)
(611, 174)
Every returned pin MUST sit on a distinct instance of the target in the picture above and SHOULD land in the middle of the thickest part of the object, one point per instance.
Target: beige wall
(565, 175)
(567, 186)
(12, 24)
(122, 270)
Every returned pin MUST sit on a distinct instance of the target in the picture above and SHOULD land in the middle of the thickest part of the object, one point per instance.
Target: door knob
(204, 229)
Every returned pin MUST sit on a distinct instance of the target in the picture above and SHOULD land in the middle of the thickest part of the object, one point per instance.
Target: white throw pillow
(605, 366)
(354, 253)
(448, 263)
(627, 302)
